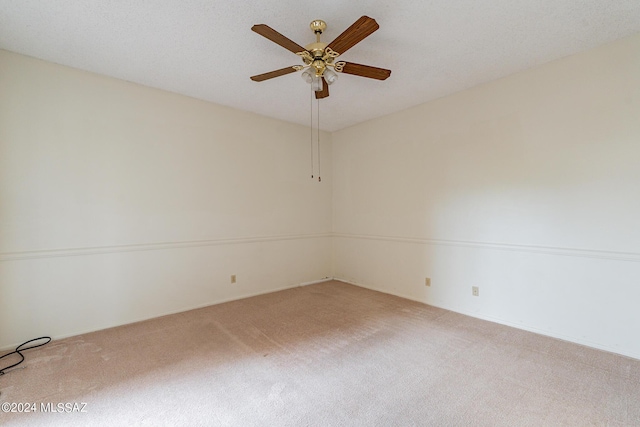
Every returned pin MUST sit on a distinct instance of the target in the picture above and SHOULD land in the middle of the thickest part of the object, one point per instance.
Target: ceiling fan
(320, 66)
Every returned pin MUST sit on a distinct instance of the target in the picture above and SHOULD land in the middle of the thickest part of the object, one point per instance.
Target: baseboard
(501, 321)
(181, 310)
(313, 282)
(373, 288)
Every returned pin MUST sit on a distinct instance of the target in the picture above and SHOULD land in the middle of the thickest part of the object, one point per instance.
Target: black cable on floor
(20, 348)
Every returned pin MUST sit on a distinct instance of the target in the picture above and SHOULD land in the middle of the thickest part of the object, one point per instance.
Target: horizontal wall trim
(95, 250)
(547, 250)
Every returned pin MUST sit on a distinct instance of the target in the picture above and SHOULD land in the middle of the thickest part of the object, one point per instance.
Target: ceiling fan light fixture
(316, 84)
(330, 76)
(307, 75)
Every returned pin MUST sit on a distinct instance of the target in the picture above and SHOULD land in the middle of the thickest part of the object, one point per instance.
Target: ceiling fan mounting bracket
(318, 26)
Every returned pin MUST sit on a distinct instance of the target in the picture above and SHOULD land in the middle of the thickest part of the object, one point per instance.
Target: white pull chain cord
(311, 127)
(318, 144)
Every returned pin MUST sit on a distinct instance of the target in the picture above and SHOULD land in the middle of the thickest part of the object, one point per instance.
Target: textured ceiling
(206, 49)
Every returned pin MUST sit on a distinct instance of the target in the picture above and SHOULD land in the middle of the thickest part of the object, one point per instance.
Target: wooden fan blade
(325, 90)
(272, 74)
(276, 37)
(366, 71)
(353, 35)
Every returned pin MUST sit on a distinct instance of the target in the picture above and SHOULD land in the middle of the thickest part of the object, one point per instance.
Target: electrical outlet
(427, 281)
(233, 278)
(475, 291)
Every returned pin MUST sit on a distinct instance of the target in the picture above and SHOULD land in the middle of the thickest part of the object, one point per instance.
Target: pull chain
(318, 144)
(311, 128)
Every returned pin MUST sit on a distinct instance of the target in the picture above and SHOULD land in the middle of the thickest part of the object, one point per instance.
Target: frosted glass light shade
(316, 84)
(308, 75)
(330, 76)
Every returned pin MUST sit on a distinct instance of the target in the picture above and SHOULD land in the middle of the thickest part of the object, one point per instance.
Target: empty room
(328, 213)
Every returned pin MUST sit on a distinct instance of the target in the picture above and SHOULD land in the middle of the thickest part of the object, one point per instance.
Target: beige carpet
(322, 355)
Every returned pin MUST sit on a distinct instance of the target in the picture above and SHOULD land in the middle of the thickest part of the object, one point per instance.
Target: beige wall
(120, 202)
(528, 187)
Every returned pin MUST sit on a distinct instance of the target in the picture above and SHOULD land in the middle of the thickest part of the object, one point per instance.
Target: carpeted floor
(322, 355)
